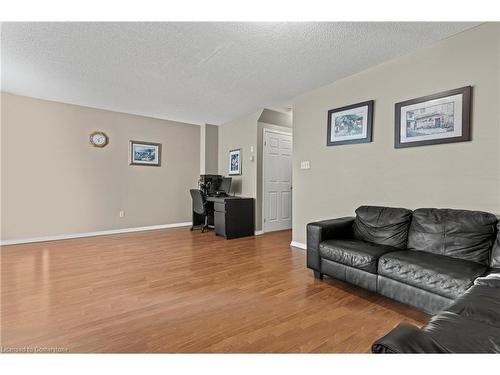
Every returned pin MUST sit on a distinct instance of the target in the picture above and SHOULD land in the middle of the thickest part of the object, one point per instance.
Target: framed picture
(433, 119)
(234, 162)
(350, 124)
(145, 153)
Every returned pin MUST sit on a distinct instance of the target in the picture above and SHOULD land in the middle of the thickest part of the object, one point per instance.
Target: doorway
(277, 181)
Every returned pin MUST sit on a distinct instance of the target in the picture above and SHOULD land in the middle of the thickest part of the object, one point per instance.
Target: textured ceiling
(196, 72)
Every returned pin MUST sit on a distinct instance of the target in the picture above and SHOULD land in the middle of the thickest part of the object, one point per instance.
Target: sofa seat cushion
(446, 276)
(354, 253)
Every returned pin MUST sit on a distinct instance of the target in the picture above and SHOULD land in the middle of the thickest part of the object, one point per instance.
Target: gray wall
(458, 175)
(245, 133)
(54, 182)
(270, 116)
(203, 136)
(240, 133)
(211, 149)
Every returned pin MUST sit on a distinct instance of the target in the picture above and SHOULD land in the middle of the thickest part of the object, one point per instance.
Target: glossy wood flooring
(179, 291)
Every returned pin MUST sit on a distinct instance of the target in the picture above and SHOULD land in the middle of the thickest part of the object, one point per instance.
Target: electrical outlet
(121, 214)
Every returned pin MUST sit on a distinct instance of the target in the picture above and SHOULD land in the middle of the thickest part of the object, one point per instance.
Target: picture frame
(145, 153)
(234, 168)
(350, 124)
(440, 118)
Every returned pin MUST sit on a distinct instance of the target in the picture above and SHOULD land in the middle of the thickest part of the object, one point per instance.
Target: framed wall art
(350, 124)
(145, 153)
(234, 162)
(434, 119)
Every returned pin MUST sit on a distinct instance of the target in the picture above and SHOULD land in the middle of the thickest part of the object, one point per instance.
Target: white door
(277, 165)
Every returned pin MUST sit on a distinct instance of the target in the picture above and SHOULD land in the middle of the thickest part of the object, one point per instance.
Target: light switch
(304, 164)
(251, 148)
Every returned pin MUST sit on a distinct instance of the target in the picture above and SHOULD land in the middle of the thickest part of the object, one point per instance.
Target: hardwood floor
(179, 291)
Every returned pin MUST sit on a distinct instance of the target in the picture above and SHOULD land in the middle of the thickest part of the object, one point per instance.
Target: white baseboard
(92, 234)
(300, 245)
(259, 232)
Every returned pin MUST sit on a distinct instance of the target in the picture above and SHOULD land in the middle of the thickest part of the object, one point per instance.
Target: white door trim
(264, 163)
(266, 130)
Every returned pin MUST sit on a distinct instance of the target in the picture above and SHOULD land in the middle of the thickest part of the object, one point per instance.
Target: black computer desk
(233, 216)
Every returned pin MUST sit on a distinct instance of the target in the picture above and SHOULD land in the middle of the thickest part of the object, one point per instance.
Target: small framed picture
(145, 153)
(433, 119)
(234, 162)
(350, 124)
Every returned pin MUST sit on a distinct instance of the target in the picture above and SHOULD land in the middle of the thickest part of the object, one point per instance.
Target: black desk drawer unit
(234, 217)
(219, 207)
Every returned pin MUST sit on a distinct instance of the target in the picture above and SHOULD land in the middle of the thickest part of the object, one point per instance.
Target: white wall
(458, 175)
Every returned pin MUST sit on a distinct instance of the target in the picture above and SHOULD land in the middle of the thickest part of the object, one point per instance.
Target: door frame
(264, 165)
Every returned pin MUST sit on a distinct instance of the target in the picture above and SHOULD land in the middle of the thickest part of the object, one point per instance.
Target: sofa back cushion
(462, 234)
(382, 225)
(495, 253)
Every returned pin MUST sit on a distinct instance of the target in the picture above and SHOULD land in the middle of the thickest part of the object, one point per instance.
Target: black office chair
(201, 207)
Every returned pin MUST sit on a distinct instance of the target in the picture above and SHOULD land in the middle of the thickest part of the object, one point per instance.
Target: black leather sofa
(470, 325)
(428, 258)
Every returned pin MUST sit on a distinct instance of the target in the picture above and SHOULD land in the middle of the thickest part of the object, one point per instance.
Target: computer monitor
(209, 183)
(225, 185)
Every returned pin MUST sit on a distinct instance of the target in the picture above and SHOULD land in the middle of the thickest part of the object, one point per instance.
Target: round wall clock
(98, 139)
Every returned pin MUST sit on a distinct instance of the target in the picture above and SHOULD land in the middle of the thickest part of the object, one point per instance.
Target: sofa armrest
(491, 279)
(320, 231)
(406, 338)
